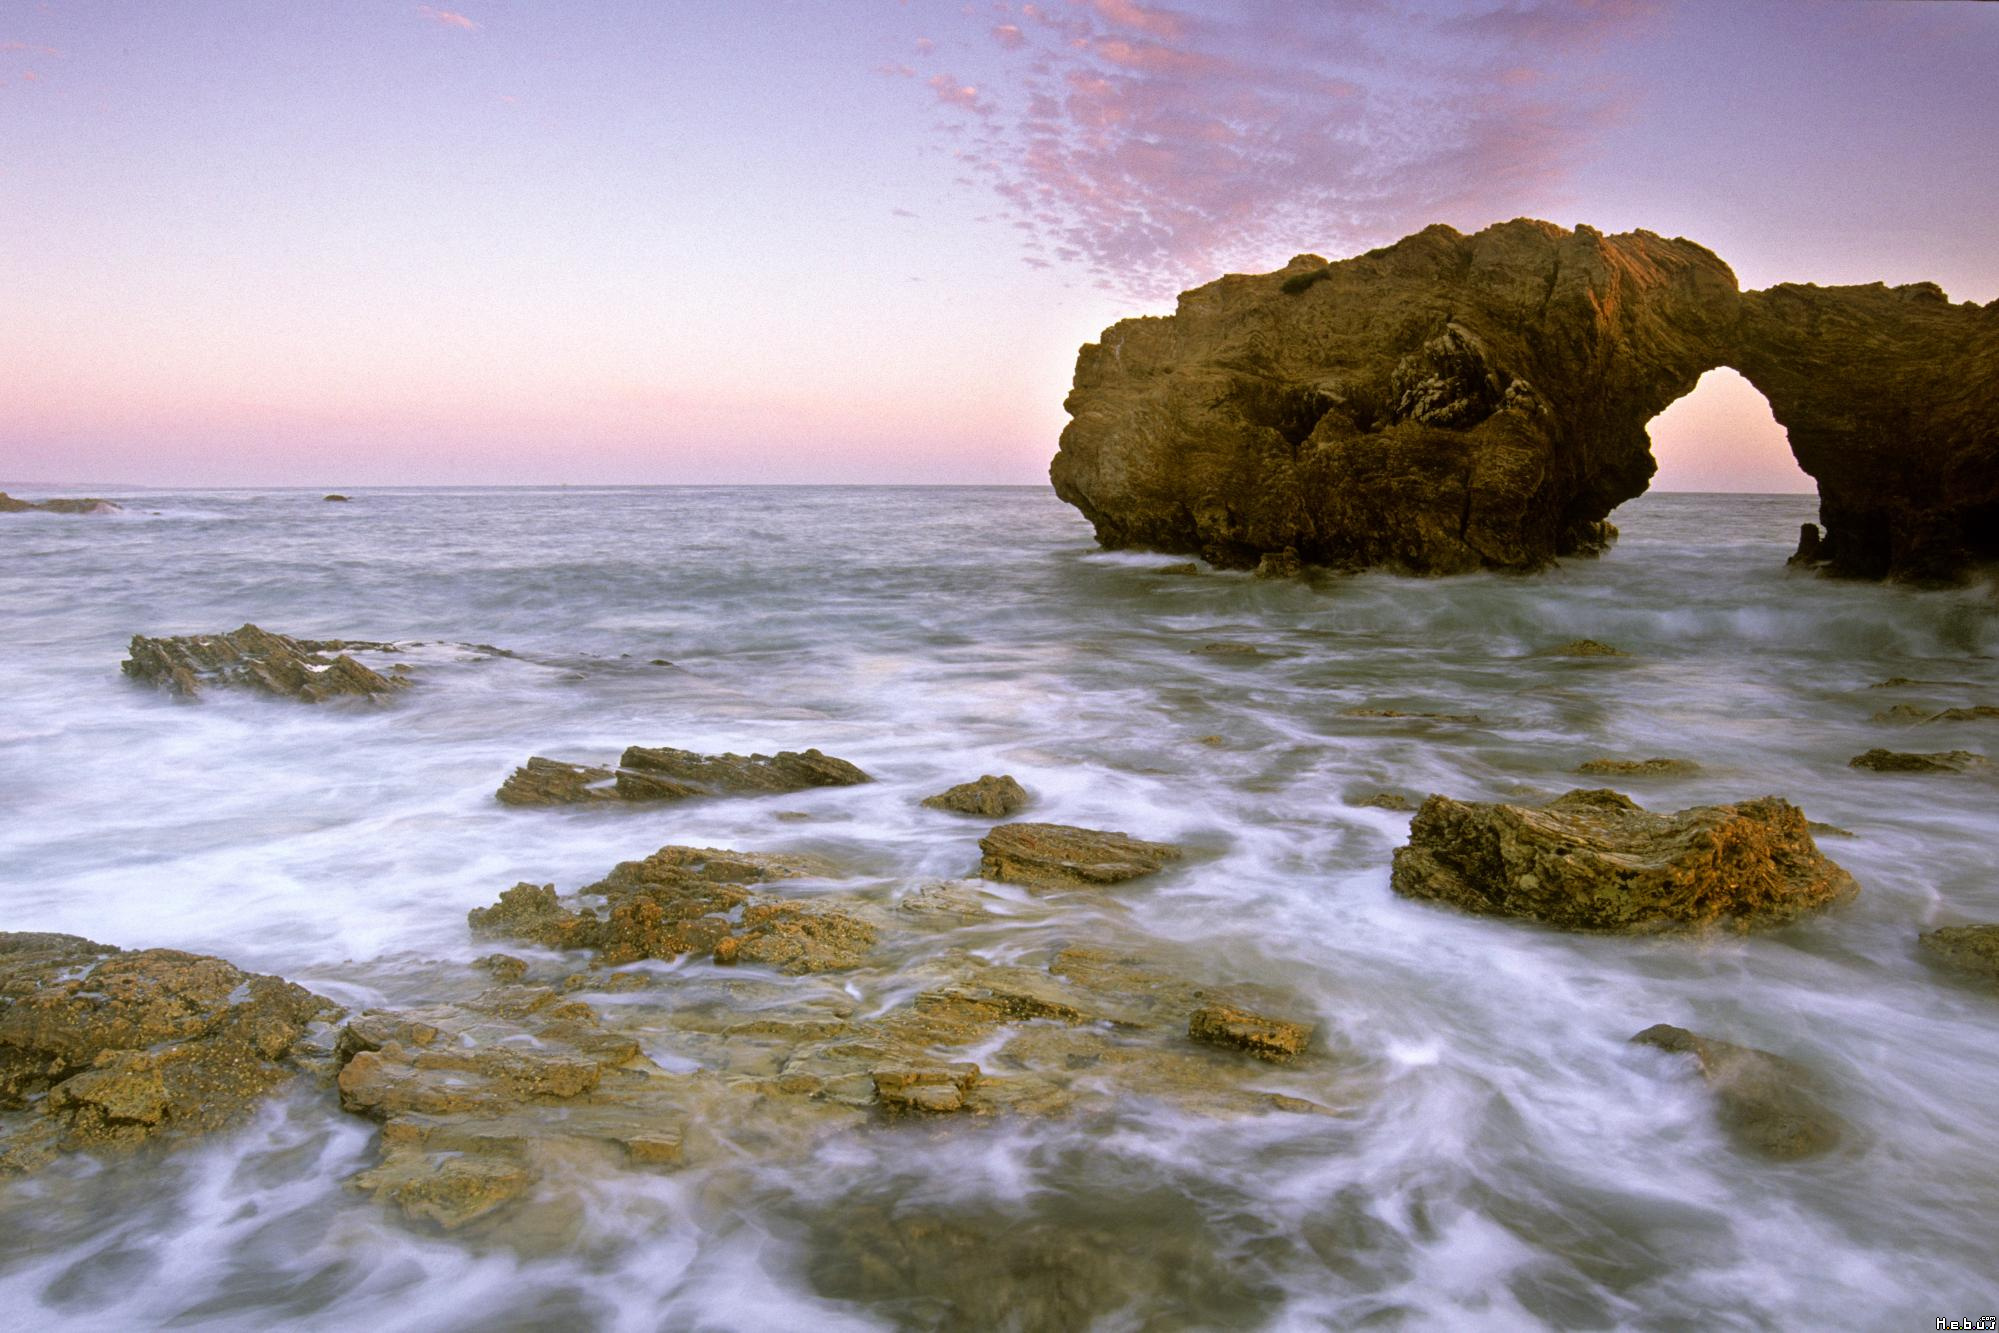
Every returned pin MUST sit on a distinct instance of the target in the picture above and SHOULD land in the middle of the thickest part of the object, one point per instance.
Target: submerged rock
(100, 1048)
(993, 797)
(1450, 402)
(88, 505)
(1385, 800)
(1597, 861)
(1061, 856)
(662, 774)
(1892, 761)
(1766, 1103)
(1585, 648)
(256, 659)
(1640, 768)
(1973, 949)
(683, 900)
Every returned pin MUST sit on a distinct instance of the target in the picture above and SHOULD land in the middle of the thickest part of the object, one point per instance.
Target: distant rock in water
(1767, 1104)
(991, 796)
(1973, 949)
(663, 774)
(1639, 768)
(1586, 648)
(1893, 761)
(10, 505)
(1061, 856)
(309, 670)
(341, 499)
(100, 1048)
(1451, 403)
(1597, 861)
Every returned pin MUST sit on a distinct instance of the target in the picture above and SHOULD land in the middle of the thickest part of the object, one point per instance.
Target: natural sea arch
(1722, 437)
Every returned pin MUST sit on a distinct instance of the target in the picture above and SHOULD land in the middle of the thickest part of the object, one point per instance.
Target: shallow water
(1500, 1153)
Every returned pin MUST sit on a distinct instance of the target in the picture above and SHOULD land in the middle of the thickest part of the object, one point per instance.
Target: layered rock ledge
(647, 773)
(1451, 403)
(1597, 861)
(308, 670)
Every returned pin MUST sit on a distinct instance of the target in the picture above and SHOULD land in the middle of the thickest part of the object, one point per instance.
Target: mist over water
(1499, 1153)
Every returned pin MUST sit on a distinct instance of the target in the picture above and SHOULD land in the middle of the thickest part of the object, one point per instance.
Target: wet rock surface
(1259, 1034)
(308, 670)
(1768, 1105)
(683, 900)
(1597, 861)
(648, 774)
(1452, 402)
(1585, 648)
(1969, 949)
(1055, 856)
(61, 505)
(105, 1049)
(1639, 768)
(995, 797)
(1895, 761)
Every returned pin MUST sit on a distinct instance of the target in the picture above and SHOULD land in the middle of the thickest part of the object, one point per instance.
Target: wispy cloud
(1157, 145)
(29, 48)
(449, 18)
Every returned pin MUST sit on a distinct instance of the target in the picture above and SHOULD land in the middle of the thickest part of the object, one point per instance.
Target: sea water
(1509, 1160)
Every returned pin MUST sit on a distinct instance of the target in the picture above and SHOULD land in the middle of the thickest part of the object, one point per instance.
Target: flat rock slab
(1597, 861)
(649, 774)
(1973, 949)
(995, 797)
(1276, 1039)
(1891, 761)
(101, 1048)
(62, 505)
(1639, 768)
(1767, 1104)
(308, 670)
(1061, 856)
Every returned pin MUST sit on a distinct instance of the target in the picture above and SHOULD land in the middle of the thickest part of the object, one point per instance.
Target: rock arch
(1453, 402)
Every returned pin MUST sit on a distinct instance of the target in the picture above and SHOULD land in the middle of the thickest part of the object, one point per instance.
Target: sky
(364, 242)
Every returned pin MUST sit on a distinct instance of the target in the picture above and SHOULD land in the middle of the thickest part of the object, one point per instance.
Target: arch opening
(1722, 437)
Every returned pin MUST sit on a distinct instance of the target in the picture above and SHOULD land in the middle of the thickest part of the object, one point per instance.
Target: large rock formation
(309, 670)
(1452, 402)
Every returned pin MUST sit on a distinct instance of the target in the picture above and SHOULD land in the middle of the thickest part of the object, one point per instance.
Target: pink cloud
(448, 18)
(1157, 146)
(1009, 36)
(30, 48)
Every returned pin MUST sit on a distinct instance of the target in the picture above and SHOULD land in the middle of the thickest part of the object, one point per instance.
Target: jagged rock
(1765, 1102)
(993, 797)
(1967, 948)
(1060, 856)
(252, 658)
(1892, 761)
(684, 900)
(1453, 402)
(1385, 800)
(1640, 768)
(659, 774)
(1597, 861)
(551, 782)
(1262, 1036)
(91, 505)
(100, 1048)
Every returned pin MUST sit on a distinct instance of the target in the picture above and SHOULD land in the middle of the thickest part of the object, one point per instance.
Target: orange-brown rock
(1061, 856)
(100, 1048)
(1596, 860)
(995, 797)
(1454, 402)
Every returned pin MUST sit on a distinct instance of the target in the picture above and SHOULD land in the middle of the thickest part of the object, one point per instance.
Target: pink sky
(381, 243)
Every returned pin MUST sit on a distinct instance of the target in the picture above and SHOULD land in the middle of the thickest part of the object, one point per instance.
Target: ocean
(1487, 1147)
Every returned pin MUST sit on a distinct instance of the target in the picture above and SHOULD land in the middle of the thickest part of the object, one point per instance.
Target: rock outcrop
(1059, 856)
(1899, 761)
(308, 670)
(1453, 402)
(1597, 861)
(683, 900)
(1767, 1104)
(647, 774)
(61, 505)
(1969, 949)
(104, 1049)
(993, 797)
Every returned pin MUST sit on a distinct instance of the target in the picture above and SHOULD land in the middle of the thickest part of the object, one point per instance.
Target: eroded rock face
(993, 797)
(683, 900)
(662, 774)
(309, 670)
(1767, 1104)
(1456, 402)
(60, 505)
(1597, 861)
(1059, 856)
(100, 1048)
